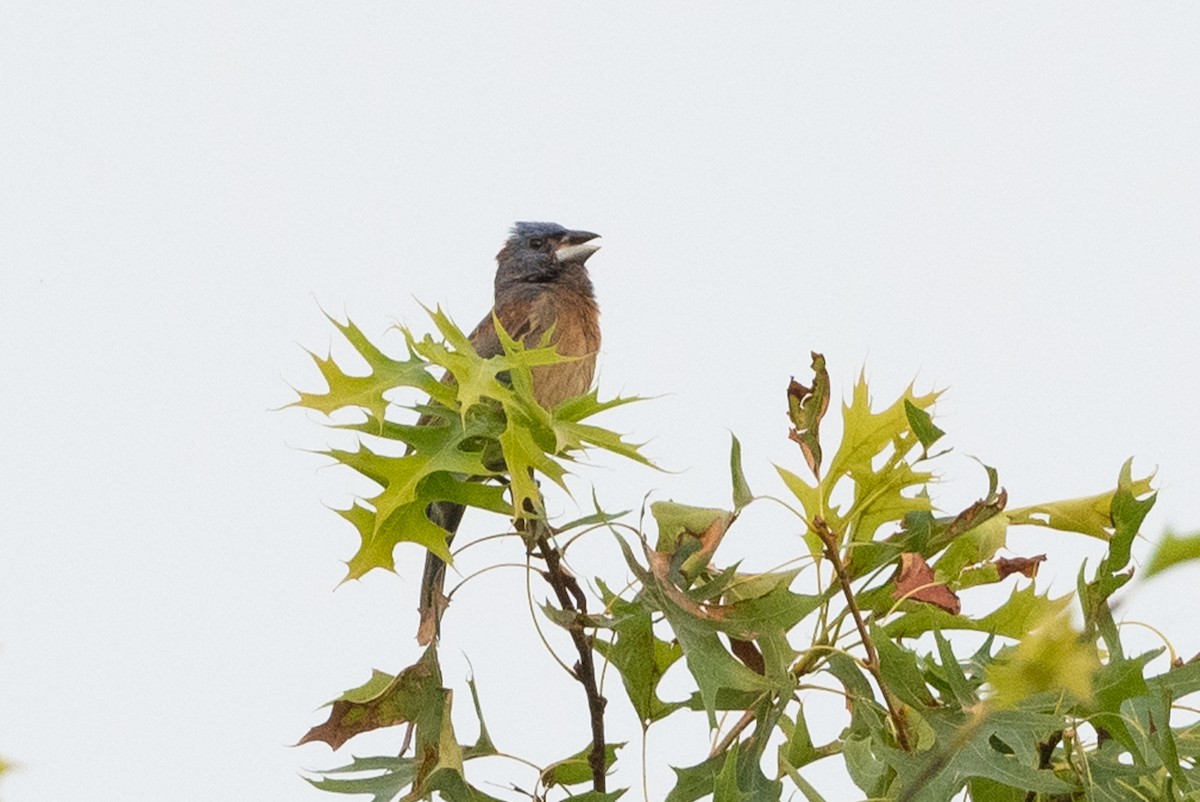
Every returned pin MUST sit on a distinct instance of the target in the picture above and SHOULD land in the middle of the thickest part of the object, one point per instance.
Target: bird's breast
(576, 322)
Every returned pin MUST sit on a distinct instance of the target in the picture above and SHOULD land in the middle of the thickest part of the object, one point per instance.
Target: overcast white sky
(999, 199)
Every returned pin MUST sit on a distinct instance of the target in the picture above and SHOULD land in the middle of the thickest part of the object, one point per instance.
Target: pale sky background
(1001, 199)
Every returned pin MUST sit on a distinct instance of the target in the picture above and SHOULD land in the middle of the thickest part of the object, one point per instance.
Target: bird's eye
(537, 242)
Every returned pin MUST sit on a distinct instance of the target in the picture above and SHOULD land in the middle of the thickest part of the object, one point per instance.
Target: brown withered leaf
(383, 701)
(1026, 566)
(971, 517)
(690, 535)
(660, 568)
(915, 580)
(806, 408)
(749, 654)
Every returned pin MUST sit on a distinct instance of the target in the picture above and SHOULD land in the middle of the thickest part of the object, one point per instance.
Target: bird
(541, 286)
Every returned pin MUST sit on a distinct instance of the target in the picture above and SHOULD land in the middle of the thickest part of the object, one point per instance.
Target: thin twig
(830, 540)
(736, 730)
(571, 599)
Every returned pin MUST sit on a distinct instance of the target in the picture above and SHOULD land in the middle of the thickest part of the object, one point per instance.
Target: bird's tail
(448, 516)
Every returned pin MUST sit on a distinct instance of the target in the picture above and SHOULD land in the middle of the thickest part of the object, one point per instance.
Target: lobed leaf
(365, 392)
(1089, 515)
(481, 424)
(1052, 657)
(641, 658)
(1013, 619)
(383, 701)
(866, 434)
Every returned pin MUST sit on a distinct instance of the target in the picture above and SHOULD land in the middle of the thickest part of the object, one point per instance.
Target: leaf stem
(750, 715)
(571, 598)
(829, 539)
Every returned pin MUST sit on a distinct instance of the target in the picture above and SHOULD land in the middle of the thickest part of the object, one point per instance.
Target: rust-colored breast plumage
(576, 322)
(577, 334)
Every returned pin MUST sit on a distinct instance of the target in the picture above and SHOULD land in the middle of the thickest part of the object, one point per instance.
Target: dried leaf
(690, 535)
(383, 701)
(915, 581)
(806, 408)
(749, 654)
(975, 515)
(1026, 566)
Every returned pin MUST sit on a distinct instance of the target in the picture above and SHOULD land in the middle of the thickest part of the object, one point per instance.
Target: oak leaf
(915, 581)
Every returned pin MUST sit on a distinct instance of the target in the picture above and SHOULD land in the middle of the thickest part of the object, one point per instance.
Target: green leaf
(755, 607)
(598, 517)
(1178, 682)
(900, 671)
(755, 604)
(727, 778)
(364, 392)
(864, 767)
(981, 759)
(866, 434)
(1089, 515)
(441, 767)
(931, 535)
(848, 672)
(641, 658)
(407, 524)
(1013, 619)
(576, 769)
(1172, 550)
(694, 782)
(805, 787)
(1000, 746)
(389, 776)
(483, 746)
(1113, 684)
(725, 789)
(814, 504)
(921, 424)
(879, 498)
(1128, 512)
(984, 789)
(709, 662)
(961, 690)
(798, 750)
(882, 491)
(386, 777)
(1053, 657)
(973, 546)
(742, 494)
(484, 423)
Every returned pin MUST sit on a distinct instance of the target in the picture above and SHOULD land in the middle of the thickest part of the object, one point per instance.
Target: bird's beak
(575, 247)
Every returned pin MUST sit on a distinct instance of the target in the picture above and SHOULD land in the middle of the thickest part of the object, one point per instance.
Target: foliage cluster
(1042, 709)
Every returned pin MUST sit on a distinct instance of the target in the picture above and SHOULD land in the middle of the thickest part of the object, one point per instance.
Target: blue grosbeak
(541, 286)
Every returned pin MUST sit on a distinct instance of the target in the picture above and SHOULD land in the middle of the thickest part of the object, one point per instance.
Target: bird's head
(540, 252)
